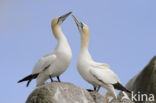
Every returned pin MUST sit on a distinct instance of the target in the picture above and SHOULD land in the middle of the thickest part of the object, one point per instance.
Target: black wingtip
(28, 82)
(121, 87)
(19, 81)
(28, 78)
(128, 91)
(70, 12)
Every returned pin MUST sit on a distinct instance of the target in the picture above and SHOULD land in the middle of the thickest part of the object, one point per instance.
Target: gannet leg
(58, 78)
(98, 88)
(50, 78)
(94, 88)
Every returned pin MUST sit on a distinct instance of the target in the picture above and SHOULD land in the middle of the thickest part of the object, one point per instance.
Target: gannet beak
(78, 23)
(63, 17)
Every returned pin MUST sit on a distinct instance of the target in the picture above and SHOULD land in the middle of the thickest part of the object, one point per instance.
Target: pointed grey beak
(78, 23)
(63, 17)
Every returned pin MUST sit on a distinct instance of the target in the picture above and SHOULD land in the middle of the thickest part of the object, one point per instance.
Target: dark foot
(50, 78)
(58, 78)
(90, 90)
(94, 88)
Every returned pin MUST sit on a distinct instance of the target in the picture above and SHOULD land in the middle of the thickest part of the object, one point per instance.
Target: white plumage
(44, 62)
(56, 62)
(98, 74)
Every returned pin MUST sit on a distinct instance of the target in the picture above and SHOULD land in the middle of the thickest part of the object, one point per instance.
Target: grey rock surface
(144, 83)
(59, 93)
(56, 92)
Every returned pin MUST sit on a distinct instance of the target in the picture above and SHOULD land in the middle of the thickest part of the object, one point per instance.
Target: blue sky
(122, 34)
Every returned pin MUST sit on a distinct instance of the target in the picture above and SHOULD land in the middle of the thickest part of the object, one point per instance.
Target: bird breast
(61, 64)
(84, 70)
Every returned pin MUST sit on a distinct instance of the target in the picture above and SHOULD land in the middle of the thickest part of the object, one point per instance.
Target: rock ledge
(56, 92)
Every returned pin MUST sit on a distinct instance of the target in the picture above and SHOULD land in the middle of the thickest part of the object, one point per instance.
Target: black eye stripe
(81, 25)
(59, 19)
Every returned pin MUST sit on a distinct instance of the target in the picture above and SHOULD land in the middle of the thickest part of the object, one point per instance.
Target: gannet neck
(57, 32)
(84, 43)
(84, 52)
(62, 41)
(84, 39)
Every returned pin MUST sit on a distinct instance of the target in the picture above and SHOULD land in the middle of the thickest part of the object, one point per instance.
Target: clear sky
(122, 34)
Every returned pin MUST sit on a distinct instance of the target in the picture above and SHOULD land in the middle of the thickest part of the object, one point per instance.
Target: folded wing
(43, 63)
(104, 74)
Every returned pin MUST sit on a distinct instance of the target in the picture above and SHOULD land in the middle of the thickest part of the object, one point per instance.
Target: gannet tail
(120, 87)
(28, 78)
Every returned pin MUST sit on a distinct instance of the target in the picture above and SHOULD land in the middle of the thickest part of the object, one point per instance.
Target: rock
(59, 93)
(56, 92)
(144, 83)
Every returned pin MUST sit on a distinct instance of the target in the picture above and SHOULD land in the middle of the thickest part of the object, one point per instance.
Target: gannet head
(56, 23)
(83, 29)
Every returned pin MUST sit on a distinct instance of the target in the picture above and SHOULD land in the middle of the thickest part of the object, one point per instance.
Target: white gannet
(98, 74)
(56, 62)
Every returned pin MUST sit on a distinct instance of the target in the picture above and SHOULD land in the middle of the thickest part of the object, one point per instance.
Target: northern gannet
(56, 62)
(98, 74)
